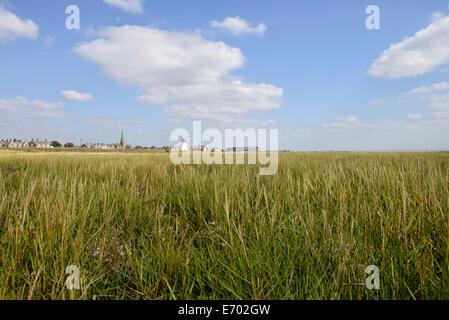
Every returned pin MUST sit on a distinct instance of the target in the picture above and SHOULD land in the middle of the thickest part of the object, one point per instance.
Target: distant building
(101, 146)
(14, 144)
(19, 144)
(106, 146)
(122, 141)
(39, 144)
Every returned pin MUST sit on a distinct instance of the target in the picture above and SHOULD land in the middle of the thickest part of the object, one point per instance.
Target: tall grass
(139, 227)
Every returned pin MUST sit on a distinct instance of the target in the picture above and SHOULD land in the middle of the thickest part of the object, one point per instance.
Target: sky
(311, 69)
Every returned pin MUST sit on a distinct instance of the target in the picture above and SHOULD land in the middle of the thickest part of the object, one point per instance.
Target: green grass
(222, 231)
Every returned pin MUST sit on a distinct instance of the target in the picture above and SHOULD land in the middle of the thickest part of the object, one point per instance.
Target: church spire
(122, 140)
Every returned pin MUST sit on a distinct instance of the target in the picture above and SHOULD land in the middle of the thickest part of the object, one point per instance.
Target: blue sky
(310, 69)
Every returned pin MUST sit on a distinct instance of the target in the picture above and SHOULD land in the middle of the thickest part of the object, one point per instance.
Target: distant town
(45, 144)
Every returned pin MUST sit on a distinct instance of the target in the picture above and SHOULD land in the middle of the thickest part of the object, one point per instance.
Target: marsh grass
(139, 227)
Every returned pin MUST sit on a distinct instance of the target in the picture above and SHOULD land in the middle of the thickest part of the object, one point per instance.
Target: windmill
(184, 144)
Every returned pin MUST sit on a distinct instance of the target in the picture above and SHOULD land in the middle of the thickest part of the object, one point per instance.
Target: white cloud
(350, 123)
(179, 113)
(434, 87)
(133, 6)
(414, 116)
(76, 96)
(440, 103)
(148, 57)
(221, 96)
(371, 136)
(221, 101)
(180, 69)
(20, 108)
(238, 26)
(12, 27)
(422, 53)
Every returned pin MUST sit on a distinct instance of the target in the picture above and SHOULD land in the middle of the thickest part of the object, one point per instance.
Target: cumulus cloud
(148, 57)
(133, 6)
(238, 26)
(179, 113)
(419, 54)
(12, 27)
(20, 108)
(434, 87)
(220, 96)
(189, 75)
(76, 96)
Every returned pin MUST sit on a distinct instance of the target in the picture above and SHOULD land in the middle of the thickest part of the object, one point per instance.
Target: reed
(139, 227)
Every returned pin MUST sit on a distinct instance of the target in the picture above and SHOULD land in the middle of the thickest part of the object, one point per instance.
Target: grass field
(139, 227)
